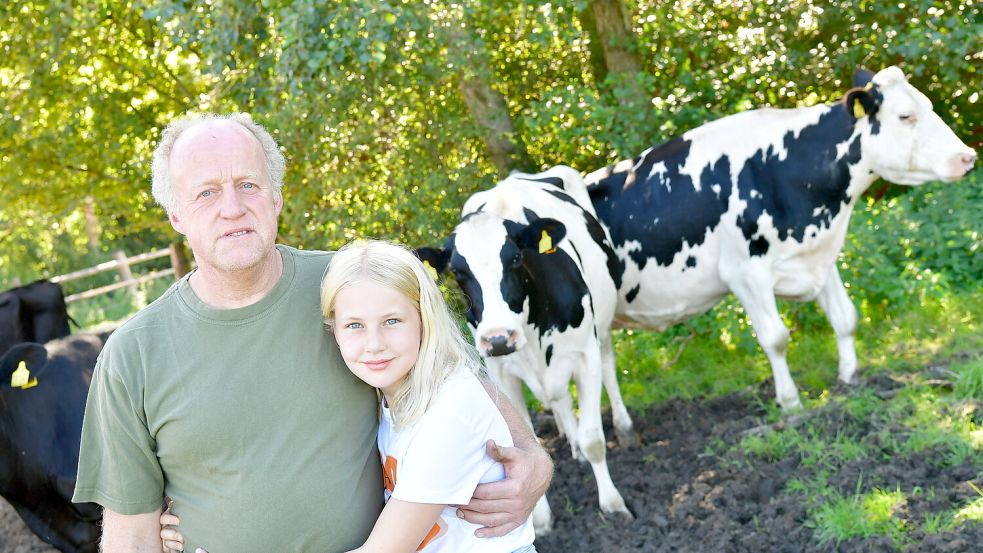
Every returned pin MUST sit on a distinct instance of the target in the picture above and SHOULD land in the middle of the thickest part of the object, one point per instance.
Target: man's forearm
(131, 533)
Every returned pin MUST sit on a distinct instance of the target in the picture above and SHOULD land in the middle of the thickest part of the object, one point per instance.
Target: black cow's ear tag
(430, 269)
(546, 243)
(21, 378)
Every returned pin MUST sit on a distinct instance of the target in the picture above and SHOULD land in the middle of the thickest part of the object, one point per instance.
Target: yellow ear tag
(858, 108)
(20, 378)
(546, 244)
(430, 269)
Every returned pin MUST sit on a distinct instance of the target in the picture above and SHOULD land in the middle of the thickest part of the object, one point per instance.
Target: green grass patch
(717, 353)
(876, 513)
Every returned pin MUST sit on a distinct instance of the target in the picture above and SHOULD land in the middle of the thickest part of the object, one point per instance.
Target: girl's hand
(171, 539)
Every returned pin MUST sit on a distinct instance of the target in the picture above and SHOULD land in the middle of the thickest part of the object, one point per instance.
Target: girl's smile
(378, 331)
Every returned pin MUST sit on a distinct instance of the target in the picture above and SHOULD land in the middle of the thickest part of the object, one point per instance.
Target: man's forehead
(215, 132)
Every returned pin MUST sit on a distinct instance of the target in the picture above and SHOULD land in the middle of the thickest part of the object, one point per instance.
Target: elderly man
(228, 395)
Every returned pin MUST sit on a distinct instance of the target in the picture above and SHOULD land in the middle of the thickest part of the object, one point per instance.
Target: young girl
(396, 333)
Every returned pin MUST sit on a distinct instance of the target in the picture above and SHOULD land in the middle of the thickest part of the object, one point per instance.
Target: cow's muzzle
(494, 344)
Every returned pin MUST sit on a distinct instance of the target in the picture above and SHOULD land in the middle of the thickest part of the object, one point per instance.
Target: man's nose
(232, 205)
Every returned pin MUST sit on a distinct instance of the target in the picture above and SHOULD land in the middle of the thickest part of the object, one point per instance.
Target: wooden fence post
(179, 260)
(124, 271)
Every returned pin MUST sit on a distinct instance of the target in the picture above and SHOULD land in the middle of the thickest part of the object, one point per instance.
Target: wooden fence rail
(121, 264)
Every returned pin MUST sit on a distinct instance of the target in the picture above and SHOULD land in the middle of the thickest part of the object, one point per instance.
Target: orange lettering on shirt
(389, 473)
(439, 529)
(389, 480)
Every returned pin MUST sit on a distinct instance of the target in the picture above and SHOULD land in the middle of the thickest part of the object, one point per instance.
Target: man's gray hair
(161, 178)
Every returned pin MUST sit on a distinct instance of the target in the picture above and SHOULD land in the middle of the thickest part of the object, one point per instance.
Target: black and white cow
(757, 204)
(537, 268)
(42, 399)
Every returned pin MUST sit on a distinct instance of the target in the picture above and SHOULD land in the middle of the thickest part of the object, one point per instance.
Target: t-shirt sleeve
(118, 466)
(446, 458)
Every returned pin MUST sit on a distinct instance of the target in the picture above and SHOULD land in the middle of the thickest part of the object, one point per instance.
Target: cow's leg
(842, 316)
(556, 384)
(756, 293)
(619, 413)
(591, 432)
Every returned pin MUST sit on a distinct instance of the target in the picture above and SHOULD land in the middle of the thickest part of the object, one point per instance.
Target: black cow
(35, 312)
(43, 390)
(757, 204)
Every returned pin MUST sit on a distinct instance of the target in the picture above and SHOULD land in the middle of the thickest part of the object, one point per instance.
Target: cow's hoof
(791, 405)
(621, 512)
(627, 439)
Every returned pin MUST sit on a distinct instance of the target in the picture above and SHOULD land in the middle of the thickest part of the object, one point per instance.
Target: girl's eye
(391, 322)
(353, 326)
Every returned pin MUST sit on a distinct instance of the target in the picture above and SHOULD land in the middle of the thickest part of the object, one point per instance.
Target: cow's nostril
(968, 159)
(499, 345)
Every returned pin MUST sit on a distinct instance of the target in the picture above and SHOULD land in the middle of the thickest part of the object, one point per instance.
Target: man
(228, 395)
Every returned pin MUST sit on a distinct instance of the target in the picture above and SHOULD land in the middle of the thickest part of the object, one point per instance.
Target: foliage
(365, 98)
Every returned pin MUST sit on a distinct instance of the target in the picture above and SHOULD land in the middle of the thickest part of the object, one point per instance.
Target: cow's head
(907, 142)
(493, 261)
(42, 400)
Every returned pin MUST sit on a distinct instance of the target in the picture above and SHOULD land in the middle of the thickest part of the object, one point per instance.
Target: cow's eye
(517, 259)
(907, 118)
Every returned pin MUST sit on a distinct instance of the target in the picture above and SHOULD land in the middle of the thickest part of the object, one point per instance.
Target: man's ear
(278, 202)
(175, 222)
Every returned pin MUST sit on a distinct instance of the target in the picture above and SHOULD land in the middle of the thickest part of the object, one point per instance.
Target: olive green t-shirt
(248, 418)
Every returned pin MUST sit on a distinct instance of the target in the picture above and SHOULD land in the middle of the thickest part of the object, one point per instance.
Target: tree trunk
(488, 108)
(616, 37)
(91, 224)
(612, 30)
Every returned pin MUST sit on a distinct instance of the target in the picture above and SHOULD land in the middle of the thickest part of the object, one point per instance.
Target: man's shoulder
(308, 260)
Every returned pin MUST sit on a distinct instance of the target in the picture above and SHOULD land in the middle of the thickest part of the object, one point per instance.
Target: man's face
(224, 200)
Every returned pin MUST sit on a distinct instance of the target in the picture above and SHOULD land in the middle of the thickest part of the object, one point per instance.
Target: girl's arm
(401, 527)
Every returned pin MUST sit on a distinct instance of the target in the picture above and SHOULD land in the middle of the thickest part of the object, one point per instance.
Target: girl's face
(378, 331)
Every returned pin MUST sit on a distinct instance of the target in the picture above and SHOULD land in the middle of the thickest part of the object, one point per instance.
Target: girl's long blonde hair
(443, 347)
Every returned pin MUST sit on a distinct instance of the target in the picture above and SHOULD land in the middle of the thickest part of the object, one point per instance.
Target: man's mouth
(236, 233)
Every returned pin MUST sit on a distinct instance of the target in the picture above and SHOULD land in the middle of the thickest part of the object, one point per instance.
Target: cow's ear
(862, 77)
(861, 102)
(22, 364)
(542, 235)
(434, 259)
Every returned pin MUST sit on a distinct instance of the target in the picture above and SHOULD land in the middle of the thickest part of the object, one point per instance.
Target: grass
(690, 361)
(860, 515)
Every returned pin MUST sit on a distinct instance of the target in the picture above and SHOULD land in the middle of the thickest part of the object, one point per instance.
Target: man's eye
(205, 194)
(248, 185)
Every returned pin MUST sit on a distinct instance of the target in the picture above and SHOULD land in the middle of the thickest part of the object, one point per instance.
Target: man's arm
(131, 533)
(502, 506)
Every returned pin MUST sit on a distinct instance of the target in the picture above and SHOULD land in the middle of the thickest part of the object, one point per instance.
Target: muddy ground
(690, 492)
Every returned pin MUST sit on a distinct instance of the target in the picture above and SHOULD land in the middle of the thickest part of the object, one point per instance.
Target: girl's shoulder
(461, 394)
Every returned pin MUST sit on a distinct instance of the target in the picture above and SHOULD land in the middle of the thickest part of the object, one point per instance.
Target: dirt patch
(687, 497)
(691, 492)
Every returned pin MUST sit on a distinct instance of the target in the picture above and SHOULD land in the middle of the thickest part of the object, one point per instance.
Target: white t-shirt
(442, 458)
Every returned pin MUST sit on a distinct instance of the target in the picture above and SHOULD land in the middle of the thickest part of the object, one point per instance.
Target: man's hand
(502, 506)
